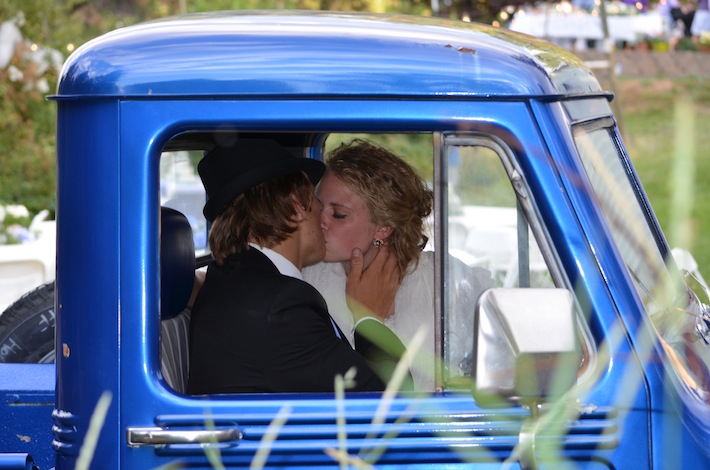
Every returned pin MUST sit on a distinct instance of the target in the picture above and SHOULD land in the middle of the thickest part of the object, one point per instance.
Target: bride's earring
(378, 243)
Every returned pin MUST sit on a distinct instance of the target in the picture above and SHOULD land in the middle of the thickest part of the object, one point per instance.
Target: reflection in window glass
(181, 189)
(627, 219)
(674, 318)
(484, 226)
(490, 246)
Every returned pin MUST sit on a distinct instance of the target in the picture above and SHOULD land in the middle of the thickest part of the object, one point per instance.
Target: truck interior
(485, 228)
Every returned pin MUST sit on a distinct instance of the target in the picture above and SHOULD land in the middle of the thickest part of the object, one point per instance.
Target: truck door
(500, 220)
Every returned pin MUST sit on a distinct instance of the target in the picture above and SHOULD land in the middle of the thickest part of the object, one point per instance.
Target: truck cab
(589, 351)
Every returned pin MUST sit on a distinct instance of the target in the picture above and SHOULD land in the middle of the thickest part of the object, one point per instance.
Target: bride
(372, 198)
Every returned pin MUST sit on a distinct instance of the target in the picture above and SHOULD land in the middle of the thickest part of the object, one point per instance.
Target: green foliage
(686, 44)
(50, 31)
(416, 149)
(419, 7)
(27, 141)
(28, 120)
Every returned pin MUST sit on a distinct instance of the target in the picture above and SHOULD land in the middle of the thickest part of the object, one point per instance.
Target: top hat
(227, 172)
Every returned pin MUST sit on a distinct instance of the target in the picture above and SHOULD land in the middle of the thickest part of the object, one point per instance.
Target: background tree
(46, 32)
(481, 11)
(50, 30)
(53, 29)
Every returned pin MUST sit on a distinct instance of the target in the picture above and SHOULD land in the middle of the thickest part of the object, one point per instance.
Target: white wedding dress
(414, 309)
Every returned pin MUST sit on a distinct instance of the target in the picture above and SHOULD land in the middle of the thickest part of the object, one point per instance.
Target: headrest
(177, 262)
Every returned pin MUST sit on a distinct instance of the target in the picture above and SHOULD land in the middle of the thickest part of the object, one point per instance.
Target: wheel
(27, 328)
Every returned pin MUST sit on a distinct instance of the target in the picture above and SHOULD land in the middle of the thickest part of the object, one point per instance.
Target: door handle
(154, 436)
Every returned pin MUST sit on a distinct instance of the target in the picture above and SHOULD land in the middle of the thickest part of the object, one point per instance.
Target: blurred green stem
(682, 174)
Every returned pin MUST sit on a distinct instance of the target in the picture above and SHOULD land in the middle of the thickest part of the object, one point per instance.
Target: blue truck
(591, 351)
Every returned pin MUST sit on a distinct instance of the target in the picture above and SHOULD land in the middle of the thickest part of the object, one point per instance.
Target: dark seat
(177, 274)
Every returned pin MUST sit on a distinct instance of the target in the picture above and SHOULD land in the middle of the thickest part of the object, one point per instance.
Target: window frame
(527, 213)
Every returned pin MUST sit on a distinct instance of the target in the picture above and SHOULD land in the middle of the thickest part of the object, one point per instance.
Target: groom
(256, 326)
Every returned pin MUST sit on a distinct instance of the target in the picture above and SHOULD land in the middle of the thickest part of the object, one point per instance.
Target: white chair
(498, 247)
(17, 278)
(24, 267)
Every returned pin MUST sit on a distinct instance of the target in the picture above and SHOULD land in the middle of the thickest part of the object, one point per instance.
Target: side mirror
(525, 347)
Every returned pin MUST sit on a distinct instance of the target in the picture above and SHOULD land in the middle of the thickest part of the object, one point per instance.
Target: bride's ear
(383, 232)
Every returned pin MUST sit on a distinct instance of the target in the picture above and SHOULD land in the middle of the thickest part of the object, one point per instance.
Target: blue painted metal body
(123, 96)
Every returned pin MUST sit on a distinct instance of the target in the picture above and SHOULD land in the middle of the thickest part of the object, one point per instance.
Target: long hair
(264, 215)
(393, 193)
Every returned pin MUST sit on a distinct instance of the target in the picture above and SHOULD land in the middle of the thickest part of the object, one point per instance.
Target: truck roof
(305, 54)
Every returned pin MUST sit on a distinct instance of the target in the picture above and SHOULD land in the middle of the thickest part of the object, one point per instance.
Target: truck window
(489, 241)
(487, 236)
(182, 190)
(674, 310)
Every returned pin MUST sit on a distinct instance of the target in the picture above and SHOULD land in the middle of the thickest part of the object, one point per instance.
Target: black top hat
(227, 172)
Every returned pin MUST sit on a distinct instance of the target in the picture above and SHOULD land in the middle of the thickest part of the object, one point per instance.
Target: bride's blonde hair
(394, 194)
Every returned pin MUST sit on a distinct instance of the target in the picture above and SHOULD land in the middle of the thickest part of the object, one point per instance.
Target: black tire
(27, 328)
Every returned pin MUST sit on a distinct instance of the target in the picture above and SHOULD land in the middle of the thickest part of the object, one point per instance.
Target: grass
(666, 130)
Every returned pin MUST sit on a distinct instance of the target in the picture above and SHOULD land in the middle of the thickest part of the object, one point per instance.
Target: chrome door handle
(159, 436)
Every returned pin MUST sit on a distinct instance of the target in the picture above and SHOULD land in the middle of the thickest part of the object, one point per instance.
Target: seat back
(177, 275)
(174, 350)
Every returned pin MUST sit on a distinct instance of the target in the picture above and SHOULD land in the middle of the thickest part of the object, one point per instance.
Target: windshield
(674, 311)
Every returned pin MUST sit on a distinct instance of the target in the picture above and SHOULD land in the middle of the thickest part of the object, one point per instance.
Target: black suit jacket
(253, 329)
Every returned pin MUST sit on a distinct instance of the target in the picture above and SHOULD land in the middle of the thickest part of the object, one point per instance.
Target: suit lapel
(258, 257)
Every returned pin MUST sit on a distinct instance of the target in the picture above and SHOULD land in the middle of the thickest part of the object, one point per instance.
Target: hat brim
(216, 203)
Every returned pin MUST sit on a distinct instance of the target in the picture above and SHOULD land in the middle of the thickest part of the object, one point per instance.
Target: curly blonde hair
(394, 194)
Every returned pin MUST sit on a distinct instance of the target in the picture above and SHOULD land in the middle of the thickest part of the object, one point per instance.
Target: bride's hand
(371, 292)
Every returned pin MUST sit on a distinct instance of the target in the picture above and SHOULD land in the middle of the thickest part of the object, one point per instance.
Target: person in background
(680, 18)
(682, 12)
(701, 21)
(256, 326)
(372, 200)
